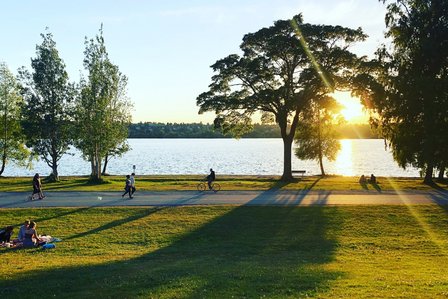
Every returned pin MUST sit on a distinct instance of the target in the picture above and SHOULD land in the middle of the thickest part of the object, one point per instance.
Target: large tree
(103, 109)
(47, 113)
(281, 69)
(12, 146)
(316, 136)
(408, 84)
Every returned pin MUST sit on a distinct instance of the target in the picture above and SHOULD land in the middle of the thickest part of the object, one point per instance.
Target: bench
(302, 172)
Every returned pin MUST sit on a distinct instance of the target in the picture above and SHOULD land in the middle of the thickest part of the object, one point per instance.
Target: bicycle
(202, 186)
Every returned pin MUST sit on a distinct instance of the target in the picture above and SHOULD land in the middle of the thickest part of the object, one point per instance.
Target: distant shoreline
(199, 130)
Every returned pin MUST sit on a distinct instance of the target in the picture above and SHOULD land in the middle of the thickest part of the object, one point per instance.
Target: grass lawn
(189, 182)
(227, 251)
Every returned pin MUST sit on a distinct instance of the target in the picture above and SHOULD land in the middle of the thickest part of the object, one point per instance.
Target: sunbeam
(437, 240)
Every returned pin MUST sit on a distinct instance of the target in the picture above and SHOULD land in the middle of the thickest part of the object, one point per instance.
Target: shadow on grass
(250, 251)
(140, 213)
(437, 186)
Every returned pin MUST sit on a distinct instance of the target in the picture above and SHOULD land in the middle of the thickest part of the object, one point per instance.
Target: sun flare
(352, 109)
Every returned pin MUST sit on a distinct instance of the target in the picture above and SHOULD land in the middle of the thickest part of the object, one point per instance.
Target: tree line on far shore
(200, 130)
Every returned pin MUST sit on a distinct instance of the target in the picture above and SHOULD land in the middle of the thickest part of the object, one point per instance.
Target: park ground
(189, 182)
(231, 251)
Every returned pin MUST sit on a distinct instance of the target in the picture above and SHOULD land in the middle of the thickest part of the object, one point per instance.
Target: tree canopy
(12, 139)
(47, 113)
(282, 69)
(407, 85)
(103, 108)
(317, 136)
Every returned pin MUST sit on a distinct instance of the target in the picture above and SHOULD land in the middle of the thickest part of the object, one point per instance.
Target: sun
(352, 109)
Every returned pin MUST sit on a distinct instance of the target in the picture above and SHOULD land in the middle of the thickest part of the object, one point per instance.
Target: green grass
(225, 252)
(189, 182)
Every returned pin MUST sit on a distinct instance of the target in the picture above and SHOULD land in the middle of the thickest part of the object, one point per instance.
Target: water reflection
(228, 156)
(344, 160)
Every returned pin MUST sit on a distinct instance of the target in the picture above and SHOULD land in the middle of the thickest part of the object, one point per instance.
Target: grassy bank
(245, 252)
(189, 182)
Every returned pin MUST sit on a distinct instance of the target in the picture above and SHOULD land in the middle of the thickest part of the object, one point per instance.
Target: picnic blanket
(46, 239)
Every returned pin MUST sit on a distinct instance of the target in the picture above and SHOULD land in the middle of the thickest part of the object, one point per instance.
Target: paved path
(177, 198)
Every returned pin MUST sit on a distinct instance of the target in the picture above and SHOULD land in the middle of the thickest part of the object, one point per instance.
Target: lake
(228, 156)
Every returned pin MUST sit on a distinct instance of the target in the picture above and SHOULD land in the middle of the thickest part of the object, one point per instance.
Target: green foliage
(103, 108)
(47, 113)
(12, 139)
(408, 85)
(194, 130)
(199, 130)
(282, 69)
(316, 136)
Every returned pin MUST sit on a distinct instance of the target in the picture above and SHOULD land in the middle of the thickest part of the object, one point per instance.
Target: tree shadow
(141, 213)
(436, 186)
(308, 188)
(249, 251)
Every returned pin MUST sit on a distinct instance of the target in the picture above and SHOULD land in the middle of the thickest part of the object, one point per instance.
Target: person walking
(37, 187)
(132, 183)
(127, 187)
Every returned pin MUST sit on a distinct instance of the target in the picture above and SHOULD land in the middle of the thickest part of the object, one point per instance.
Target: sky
(165, 48)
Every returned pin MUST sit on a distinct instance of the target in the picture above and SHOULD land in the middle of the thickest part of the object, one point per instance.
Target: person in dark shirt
(6, 233)
(210, 178)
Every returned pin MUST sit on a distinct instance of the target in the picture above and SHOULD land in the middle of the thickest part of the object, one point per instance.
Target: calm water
(228, 156)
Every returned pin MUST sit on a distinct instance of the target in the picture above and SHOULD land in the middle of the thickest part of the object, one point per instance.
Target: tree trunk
(441, 172)
(428, 174)
(319, 139)
(3, 162)
(55, 172)
(106, 160)
(321, 164)
(287, 144)
(54, 169)
(95, 163)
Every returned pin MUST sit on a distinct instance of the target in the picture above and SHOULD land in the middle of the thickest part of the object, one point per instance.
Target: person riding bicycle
(210, 178)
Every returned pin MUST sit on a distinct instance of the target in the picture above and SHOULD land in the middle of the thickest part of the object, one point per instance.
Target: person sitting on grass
(22, 230)
(31, 237)
(372, 179)
(5, 234)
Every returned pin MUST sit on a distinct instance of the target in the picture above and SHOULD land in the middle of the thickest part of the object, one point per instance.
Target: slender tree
(407, 86)
(103, 108)
(316, 136)
(115, 152)
(12, 139)
(47, 113)
(281, 69)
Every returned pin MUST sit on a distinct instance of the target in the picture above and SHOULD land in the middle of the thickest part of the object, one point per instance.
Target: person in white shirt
(132, 183)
